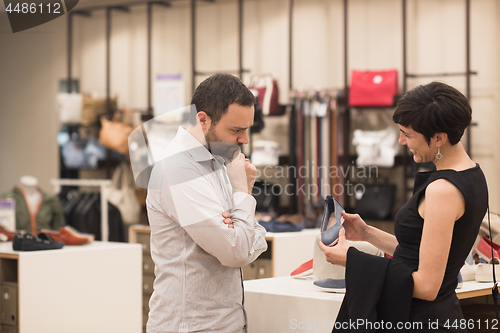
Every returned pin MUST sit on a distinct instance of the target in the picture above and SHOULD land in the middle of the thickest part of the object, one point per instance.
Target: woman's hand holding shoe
(337, 254)
(355, 227)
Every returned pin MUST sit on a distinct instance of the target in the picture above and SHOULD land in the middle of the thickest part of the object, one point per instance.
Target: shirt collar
(192, 146)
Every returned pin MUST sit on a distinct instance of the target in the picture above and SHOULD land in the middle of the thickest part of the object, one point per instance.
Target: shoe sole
(303, 274)
(331, 289)
(330, 236)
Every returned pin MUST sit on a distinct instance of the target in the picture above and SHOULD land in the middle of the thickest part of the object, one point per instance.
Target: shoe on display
(331, 285)
(484, 249)
(484, 272)
(9, 233)
(303, 270)
(322, 269)
(331, 223)
(68, 235)
(28, 242)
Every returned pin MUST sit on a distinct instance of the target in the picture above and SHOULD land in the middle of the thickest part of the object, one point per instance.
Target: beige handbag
(114, 133)
(322, 269)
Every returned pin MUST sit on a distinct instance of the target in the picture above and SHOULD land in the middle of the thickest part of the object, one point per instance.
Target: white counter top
(284, 304)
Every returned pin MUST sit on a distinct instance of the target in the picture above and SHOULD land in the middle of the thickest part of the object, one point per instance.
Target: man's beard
(217, 147)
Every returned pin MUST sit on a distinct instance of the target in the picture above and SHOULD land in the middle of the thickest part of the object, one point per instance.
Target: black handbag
(375, 201)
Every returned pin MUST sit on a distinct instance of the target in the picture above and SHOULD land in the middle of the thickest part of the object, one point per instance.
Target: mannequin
(33, 197)
(29, 185)
(35, 209)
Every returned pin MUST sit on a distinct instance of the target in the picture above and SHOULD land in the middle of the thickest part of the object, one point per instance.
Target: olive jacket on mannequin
(48, 216)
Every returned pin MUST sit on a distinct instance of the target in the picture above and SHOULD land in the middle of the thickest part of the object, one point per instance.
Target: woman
(436, 228)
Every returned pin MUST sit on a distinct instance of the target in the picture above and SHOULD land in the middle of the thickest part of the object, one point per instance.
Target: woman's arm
(442, 205)
(381, 239)
(356, 229)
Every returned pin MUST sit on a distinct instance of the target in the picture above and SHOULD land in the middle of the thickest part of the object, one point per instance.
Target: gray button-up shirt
(198, 285)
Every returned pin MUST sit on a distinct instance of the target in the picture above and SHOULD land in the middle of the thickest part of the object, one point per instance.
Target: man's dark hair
(215, 94)
(434, 108)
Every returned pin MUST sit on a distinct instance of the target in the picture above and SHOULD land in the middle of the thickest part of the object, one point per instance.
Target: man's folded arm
(199, 211)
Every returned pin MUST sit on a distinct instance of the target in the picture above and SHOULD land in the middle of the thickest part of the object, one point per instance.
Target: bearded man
(201, 212)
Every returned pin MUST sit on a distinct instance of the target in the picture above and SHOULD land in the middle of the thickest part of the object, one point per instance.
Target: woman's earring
(439, 156)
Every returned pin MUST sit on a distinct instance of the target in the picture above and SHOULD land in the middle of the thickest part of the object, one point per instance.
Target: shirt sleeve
(196, 207)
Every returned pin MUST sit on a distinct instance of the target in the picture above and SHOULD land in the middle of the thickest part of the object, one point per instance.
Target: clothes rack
(314, 140)
(104, 186)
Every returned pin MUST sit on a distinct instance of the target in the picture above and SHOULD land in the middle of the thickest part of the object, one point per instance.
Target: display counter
(87, 288)
(285, 305)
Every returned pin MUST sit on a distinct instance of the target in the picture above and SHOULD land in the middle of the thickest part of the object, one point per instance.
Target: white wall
(31, 64)
(435, 44)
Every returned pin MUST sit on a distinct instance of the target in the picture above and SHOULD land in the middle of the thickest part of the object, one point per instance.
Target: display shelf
(53, 290)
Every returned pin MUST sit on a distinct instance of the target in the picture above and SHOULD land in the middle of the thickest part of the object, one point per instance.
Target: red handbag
(373, 88)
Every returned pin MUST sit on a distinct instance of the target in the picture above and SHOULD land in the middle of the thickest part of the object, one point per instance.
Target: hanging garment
(83, 212)
(268, 93)
(314, 124)
(300, 146)
(258, 119)
(122, 194)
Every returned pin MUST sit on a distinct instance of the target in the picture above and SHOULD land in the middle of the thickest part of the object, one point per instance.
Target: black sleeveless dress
(444, 311)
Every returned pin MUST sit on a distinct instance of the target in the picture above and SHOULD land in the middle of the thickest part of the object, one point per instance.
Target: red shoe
(484, 249)
(9, 233)
(68, 235)
(303, 270)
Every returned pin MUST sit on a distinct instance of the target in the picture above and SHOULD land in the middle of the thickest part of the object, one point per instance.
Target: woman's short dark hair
(434, 108)
(215, 94)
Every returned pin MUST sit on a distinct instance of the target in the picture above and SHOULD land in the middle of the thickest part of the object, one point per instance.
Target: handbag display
(375, 201)
(93, 108)
(265, 152)
(114, 133)
(373, 88)
(123, 195)
(376, 147)
(70, 107)
(267, 93)
(322, 269)
(266, 196)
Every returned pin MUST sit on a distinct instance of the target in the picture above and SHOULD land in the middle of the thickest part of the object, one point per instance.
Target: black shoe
(28, 242)
(330, 227)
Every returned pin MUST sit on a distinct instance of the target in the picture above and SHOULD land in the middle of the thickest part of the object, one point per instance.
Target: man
(198, 257)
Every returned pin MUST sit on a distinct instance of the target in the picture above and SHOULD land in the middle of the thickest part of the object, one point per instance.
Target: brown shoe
(68, 235)
(9, 233)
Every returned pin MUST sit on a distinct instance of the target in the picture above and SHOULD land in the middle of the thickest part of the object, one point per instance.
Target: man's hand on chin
(236, 170)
